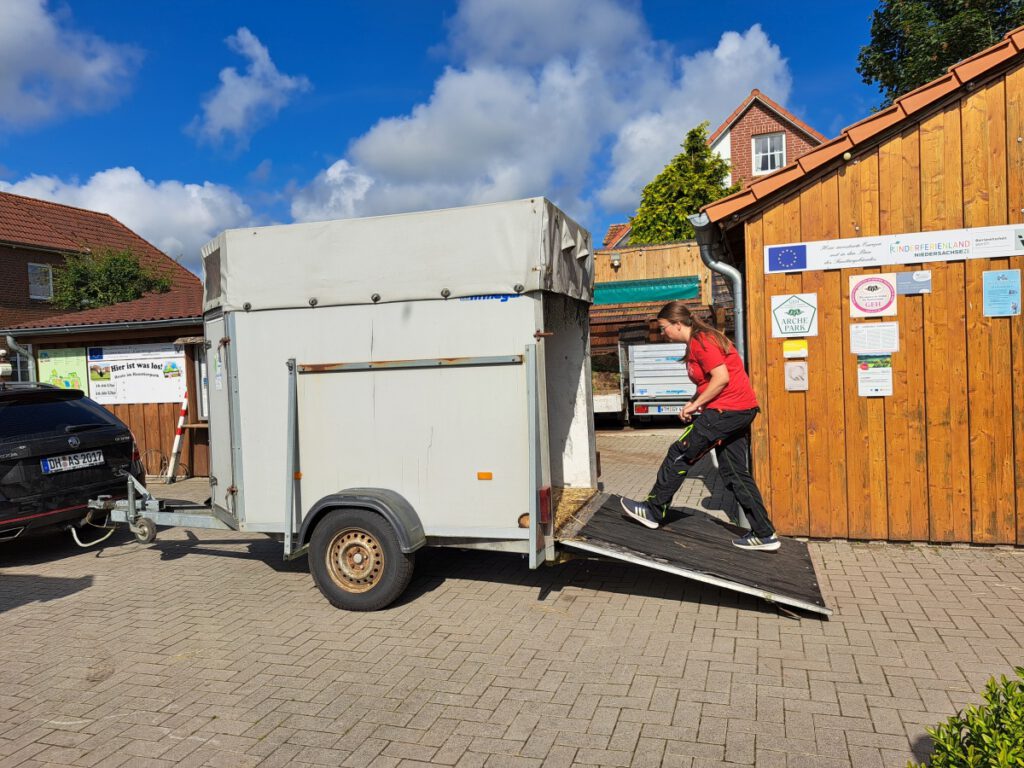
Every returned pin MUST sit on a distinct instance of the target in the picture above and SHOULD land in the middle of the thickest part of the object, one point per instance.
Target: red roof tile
(41, 224)
(615, 234)
(870, 128)
(785, 114)
(180, 303)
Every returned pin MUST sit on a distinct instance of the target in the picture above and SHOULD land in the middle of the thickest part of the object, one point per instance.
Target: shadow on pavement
(53, 545)
(266, 549)
(435, 566)
(16, 591)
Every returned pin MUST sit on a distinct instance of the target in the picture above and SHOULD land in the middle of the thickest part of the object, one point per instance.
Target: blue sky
(184, 118)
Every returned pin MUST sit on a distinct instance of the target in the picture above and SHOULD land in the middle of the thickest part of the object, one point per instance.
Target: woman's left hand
(689, 411)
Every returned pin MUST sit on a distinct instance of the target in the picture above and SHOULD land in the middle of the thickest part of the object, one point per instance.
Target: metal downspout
(707, 242)
(16, 347)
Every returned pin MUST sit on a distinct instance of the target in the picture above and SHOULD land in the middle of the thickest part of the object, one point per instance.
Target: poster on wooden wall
(1001, 288)
(874, 375)
(795, 315)
(874, 338)
(137, 373)
(64, 368)
(872, 295)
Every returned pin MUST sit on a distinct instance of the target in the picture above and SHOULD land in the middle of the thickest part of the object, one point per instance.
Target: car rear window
(32, 415)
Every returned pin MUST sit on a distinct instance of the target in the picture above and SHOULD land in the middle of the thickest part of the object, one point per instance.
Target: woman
(718, 417)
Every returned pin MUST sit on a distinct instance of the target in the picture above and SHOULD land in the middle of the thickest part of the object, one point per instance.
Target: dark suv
(58, 449)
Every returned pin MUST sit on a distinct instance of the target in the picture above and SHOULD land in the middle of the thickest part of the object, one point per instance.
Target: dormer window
(769, 152)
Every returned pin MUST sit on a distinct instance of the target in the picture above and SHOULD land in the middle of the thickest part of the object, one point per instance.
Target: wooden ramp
(696, 546)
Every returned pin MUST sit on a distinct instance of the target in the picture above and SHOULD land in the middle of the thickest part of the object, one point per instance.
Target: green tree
(104, 277)
(915, 41)
(694, 178)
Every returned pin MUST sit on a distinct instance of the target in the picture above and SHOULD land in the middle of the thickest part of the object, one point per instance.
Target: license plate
(666, 410)
(71, 461)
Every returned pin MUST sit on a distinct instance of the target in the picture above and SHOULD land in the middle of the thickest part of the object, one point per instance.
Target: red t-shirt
(703, 356)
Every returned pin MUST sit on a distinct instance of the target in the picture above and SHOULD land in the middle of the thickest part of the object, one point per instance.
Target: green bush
(89, 280)
(991, 735)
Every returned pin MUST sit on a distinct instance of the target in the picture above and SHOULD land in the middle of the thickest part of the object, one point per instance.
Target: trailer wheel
(357, 562)
(146, 533)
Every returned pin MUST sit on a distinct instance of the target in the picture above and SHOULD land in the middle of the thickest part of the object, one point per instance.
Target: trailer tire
(356, 560)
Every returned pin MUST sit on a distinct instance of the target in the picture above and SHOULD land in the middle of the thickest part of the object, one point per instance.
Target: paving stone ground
(204, 649)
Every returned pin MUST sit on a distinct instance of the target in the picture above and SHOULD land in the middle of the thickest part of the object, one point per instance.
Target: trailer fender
(392, 506)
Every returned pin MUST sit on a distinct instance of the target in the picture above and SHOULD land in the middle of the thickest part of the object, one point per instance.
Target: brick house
(760, 137)
(35, 236)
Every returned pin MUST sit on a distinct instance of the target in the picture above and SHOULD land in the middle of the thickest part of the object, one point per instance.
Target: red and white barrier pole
(172, 465)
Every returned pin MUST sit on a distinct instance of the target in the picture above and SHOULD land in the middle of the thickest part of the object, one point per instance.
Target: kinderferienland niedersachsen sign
(885, 250)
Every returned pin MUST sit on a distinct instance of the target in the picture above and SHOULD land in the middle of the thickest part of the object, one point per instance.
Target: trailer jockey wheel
(356, 560)
(145, 531)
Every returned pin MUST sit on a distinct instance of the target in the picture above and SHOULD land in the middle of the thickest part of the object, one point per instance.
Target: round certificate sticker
(873, 295)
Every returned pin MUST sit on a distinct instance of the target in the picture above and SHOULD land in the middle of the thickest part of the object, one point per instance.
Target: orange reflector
(298, 475)
(484, 475)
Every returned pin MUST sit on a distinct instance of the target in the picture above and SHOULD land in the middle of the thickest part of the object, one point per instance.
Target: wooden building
(941, 458)
(680, 262)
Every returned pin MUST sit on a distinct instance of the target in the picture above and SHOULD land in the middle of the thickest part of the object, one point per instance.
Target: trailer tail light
(544, 505)
(642, 409)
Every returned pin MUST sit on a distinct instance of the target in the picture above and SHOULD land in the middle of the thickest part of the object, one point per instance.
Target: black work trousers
(725, 431)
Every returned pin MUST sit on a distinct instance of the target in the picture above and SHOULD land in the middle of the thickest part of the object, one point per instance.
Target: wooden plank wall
(153, 425)
(647, 262)
(943, 458)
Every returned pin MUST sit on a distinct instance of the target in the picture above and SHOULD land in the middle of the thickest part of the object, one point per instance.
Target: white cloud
(532, 32)
(49, 70)
(538, 97)
(177, 218)
(334, 193)
(242, 103)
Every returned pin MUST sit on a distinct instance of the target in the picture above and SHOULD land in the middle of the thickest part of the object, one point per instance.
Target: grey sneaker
(641, 511)
(750, 541)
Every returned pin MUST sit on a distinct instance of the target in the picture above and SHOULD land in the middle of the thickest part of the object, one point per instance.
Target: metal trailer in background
(658, 382)
(380, 385)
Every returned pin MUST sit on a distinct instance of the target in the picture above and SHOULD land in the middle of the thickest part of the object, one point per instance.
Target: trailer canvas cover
(472, 251)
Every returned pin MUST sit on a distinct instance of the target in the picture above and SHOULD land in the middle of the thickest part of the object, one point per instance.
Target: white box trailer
(384, 384)
(430, 367)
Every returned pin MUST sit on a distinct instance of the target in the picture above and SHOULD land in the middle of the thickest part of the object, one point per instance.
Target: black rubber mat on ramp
(695, 545)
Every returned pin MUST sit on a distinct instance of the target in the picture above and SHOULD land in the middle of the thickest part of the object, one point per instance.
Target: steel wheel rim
(355, 560)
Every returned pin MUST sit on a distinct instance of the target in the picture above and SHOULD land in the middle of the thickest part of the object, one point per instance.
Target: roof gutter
(709, 241)
(140, 325)
(16, 347)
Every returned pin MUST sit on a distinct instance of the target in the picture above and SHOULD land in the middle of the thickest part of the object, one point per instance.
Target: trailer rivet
(445, 293)
(375, 298)
(312, 302)
(247, 306)
(518, 288)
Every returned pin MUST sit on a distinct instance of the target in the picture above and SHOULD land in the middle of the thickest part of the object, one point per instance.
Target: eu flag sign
(787, 258)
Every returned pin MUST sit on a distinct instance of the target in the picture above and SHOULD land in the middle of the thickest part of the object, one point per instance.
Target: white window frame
(49, 273)
(22, 365)
(754, 153)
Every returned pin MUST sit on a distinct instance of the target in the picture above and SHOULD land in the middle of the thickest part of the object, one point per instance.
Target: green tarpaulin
(635, 291)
